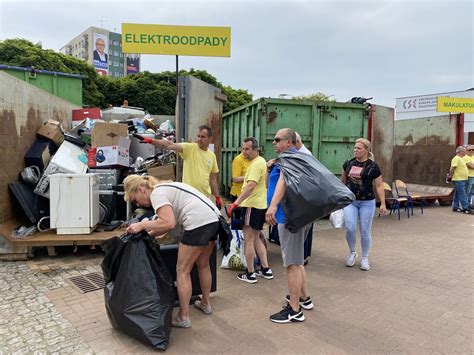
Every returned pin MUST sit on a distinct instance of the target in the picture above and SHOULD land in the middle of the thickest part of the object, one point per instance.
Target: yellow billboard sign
(455, 104)
(176, 40)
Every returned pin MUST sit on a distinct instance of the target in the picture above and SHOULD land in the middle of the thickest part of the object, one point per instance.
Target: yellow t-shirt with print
(469, 159)
(197, 167)
(460, 173)
(256, 172)
(239, 168)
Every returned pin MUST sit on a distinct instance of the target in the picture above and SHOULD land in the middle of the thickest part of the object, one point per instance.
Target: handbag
(223, 231)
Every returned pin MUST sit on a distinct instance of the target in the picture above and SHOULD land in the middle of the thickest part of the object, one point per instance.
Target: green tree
(155, 92)
(318, 96)
(23, 53)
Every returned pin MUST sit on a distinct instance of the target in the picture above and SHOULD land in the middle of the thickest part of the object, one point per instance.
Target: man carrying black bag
(307, 191)
(292, 243)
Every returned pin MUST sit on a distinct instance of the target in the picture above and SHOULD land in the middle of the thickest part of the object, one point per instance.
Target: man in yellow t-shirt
(239, 168)
(199, 163)
(459, 175)
(253, 201)
(469, 159)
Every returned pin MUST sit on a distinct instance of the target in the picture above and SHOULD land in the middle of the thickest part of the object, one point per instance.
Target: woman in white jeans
(358, 174)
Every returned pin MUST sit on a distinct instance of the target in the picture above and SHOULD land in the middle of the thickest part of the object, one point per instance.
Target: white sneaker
(364, 264)
(351, 259)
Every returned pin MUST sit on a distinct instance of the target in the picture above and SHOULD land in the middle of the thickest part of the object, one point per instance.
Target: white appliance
(68, 159)
(74, 203)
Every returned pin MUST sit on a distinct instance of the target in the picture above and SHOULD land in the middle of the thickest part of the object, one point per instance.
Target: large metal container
(423, 148)
(328, 129)
(64, 85)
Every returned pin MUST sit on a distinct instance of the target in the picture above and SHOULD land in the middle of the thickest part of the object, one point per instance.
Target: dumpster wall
(65, 86)
(424, 148)
(328, 130)
(199, 104)
(382, 138)
(23, 109)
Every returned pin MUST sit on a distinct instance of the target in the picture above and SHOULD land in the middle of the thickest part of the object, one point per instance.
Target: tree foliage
(317, 96)
(155, 92)
(23, 53)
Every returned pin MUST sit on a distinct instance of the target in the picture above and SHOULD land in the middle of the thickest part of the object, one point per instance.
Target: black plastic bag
(225, 235)
(312, 191)
(139, 291)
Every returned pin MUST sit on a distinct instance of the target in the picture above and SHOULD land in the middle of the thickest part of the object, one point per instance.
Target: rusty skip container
(328, 130)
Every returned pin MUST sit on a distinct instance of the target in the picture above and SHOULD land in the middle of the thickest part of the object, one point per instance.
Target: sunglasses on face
(277, 139)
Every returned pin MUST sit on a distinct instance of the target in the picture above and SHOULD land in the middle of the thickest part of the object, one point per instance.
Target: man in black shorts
(253, 201)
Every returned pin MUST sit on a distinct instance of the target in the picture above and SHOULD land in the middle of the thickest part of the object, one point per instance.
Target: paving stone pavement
(416, 299)
(29, 321)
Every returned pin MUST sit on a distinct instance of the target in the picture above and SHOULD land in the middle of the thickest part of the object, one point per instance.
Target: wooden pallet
(47, 239)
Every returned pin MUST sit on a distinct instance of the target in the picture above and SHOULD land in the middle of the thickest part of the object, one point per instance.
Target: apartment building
(103, 49)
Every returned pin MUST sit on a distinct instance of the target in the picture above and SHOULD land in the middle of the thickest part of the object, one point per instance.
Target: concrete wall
(424, 148)
(23, 109)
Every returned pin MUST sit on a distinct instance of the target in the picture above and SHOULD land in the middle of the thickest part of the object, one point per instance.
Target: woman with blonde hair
(178, 203)
(359, 174)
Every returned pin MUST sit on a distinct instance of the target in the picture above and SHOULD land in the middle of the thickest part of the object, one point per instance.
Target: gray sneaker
(364, 264)
(351, 259)
(205, 309)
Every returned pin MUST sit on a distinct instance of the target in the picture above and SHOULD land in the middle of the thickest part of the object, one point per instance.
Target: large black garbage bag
(139, 291)
(312, 191)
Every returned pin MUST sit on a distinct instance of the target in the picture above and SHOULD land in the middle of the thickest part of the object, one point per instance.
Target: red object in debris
(80, 114)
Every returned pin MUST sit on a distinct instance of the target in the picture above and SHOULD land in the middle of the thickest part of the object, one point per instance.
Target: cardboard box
(114, 155)
(166, 172)
(52, 130)
(108, 134)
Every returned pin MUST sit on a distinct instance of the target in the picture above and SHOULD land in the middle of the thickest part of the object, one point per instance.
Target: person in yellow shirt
(459, 174)
(239, 168)
(199, 163)
(469, 159)
(253, 201)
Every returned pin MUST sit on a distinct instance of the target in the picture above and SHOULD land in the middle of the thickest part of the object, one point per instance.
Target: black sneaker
(265, 273)
(466, 211)
(287, 315)
(457, 210)
(251, 278)
(306, 304)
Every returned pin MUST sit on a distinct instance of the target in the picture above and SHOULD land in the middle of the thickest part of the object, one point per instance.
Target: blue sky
(342, 48)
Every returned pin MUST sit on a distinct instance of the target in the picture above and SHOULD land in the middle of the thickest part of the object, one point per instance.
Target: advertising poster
(133, 63)
(101, 57)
